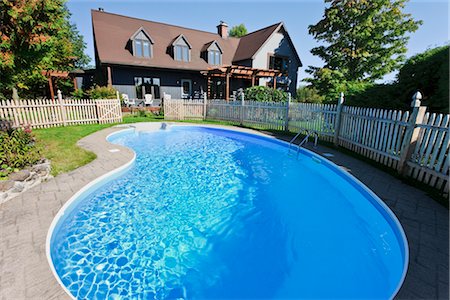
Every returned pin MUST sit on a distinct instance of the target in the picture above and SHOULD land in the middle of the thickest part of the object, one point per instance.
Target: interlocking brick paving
(24, 223)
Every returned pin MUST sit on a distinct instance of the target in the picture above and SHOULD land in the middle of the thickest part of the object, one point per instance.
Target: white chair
(128, 101)
(148, 99)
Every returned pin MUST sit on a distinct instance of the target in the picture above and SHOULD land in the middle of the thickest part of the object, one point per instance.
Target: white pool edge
(123, 168)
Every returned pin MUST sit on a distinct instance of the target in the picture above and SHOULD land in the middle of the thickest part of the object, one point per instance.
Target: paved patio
(24, 221)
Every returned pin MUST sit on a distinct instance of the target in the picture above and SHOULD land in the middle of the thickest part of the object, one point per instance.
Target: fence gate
(109, 111)
(173, 109)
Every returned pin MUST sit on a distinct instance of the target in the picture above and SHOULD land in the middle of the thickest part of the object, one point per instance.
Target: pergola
(242, 72)
(50, 74)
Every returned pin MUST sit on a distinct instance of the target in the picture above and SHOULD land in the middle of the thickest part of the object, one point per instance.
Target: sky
(256, 14)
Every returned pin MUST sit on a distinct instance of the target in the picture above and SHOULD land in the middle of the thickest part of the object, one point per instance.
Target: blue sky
(297, 15)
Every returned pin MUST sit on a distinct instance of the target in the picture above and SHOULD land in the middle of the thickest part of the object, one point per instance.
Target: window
(142, 48)
(147, 85)
(214, 57)
(279, 63)
(181, 53)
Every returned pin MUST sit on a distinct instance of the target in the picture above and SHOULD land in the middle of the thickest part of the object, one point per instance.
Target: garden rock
(6, 185)
(20, 176)
(23, 180)
(18, 187)
(41, 169)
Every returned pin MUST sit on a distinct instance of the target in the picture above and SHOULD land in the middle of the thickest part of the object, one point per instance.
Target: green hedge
(264, 94)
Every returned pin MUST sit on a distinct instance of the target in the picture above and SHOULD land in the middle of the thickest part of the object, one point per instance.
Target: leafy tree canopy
(426, 72)
(238, 30)
(363, 40)
(35, 36)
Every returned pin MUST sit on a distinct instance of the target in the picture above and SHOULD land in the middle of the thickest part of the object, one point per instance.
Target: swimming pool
(211, 213)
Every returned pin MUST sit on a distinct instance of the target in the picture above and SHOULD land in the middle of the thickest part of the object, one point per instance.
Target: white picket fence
(415, 143)
(44, 113)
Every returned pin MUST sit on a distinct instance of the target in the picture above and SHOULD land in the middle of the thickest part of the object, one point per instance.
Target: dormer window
(214, 57)
(213, 53)
(182, 53)
(142, 48)
(181, 49)
(142, 44)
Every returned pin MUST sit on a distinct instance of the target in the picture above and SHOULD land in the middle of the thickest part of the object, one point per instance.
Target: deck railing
(415, 143)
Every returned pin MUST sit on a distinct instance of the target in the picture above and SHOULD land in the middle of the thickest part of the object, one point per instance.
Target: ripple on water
(144, 233)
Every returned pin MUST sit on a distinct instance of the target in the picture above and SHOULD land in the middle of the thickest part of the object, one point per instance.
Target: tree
(427, 72)
(36, 36)
(238, 31)
(364, 40)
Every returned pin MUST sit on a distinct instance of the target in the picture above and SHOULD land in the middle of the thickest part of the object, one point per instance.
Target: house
(140, 57)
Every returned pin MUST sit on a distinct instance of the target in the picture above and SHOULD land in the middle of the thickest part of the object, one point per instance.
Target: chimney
(222, 29)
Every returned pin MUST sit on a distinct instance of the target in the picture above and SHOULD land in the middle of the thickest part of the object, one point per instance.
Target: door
(186, 88)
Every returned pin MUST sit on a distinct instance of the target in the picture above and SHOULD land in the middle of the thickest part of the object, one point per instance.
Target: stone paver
(24, 222)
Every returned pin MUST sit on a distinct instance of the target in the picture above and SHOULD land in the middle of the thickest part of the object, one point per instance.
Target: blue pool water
(209, 213)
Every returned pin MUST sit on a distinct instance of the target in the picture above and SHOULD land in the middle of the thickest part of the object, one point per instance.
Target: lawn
(59, 144)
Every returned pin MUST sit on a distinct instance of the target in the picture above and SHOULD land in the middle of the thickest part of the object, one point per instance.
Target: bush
(309, 94)
(17, 150)
(79, 94)
(102, 92)
(264, 94)
(429, 73)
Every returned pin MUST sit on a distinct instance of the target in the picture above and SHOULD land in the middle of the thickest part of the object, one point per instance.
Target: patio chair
(128, 101)
(148, 99)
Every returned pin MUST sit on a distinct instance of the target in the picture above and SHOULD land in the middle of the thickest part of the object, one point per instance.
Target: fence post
(286, 121)
(242, 107)
(204, 106)
(411, 133)
(63, 108)
(337, 126)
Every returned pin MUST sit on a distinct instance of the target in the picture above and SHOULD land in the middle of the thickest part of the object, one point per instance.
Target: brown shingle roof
(112, 35)
(249, 44)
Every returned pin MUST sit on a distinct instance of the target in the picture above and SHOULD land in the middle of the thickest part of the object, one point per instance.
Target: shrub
(264, 94)
(17, 150)
(309, 95)
(79, 94)
(102, 92)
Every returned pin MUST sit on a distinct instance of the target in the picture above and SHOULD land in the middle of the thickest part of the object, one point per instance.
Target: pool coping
(153, 126)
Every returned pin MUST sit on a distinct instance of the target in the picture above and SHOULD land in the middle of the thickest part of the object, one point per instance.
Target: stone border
(23, 180)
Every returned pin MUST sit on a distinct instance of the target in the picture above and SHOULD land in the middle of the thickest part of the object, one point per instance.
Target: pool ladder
(303, 142)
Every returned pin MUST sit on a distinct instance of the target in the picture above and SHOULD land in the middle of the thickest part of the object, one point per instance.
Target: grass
(59, 144)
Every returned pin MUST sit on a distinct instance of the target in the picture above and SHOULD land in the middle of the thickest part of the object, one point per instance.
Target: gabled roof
(181, 37)
(112, 32)
(144, 32)
(208, 45)
(249, 44)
